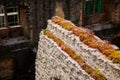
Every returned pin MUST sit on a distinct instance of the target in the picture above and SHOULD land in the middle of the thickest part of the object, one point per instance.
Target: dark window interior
(11, 9)
(2, 21)
(13, 20)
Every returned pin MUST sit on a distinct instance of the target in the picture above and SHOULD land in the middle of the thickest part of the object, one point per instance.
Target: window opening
(92, 6)
(1, 17)
(9, 15)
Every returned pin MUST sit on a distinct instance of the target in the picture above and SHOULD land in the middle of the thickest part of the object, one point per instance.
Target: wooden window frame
(5, 14)
(94, 6)
(14, 28)
(93, 14)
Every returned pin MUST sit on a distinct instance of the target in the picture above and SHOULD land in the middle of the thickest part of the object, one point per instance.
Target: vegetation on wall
(93, 72)
(89, 39)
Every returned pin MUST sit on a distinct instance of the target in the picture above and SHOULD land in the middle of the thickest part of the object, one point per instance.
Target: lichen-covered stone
(92, 56)
(53, 63)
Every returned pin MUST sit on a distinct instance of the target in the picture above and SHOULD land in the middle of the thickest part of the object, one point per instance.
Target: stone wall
(113, 11)
(7, 67)
(53, 64)
(51, 61)
(37, 12)
(42, 10)
(116, 14)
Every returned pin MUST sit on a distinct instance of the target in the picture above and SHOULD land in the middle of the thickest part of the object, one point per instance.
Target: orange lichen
(88, 38)
(93, 73)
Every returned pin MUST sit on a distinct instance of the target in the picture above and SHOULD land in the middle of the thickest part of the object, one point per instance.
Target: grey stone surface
(53, 63)
(92, 56)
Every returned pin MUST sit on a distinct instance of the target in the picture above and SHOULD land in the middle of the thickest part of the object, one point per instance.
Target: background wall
(36, 13)
(42, 10)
